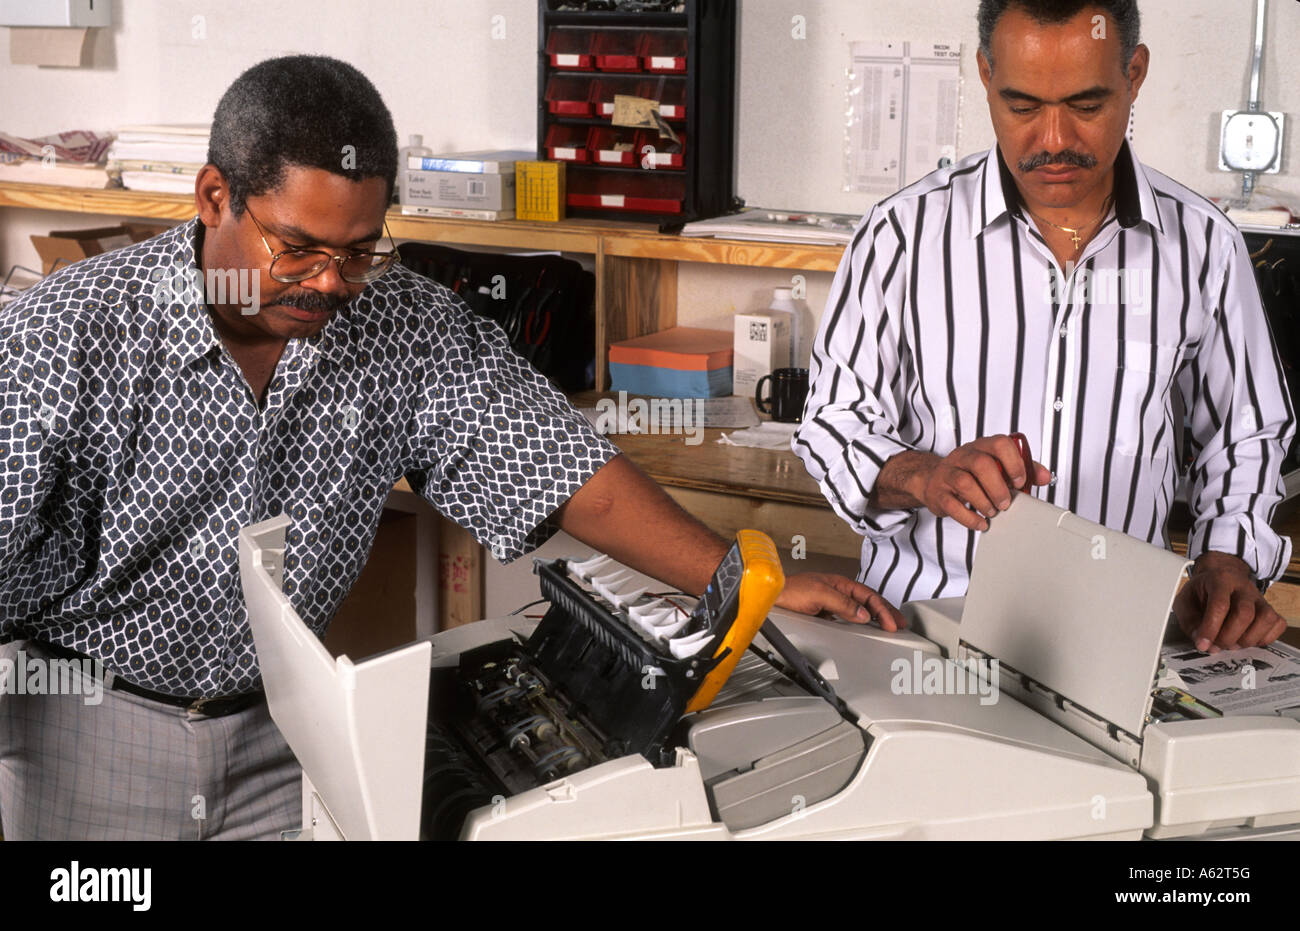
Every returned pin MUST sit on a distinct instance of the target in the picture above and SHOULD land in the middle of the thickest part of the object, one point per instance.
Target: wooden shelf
(115, 201)
(566, 236)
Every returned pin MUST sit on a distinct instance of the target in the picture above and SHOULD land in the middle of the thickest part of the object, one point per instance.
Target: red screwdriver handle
(1022, 444)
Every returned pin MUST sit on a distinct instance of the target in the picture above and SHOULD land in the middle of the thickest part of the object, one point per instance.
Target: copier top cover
(1077, 607)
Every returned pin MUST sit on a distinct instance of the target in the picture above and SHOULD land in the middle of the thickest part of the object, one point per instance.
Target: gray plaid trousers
(132, 769)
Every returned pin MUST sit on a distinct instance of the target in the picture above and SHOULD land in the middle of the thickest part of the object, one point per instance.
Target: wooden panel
(639, 296)
(1285, 599)
(460, 576)
(425, 581)
(822, 531)
(726, 252)
(379, 613)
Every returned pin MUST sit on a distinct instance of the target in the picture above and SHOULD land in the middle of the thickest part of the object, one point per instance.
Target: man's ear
(1137, 70)
(211, 193)
(986, 69)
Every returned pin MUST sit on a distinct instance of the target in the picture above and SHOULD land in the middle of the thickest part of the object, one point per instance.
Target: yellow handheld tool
(744, 587)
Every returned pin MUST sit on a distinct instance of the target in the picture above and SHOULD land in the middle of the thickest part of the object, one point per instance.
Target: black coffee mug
(789, 392)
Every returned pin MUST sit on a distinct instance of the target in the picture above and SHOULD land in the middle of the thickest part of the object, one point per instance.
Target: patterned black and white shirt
(950, 320)
(132, 451)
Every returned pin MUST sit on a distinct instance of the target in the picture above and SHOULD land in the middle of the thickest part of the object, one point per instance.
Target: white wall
(445, 75)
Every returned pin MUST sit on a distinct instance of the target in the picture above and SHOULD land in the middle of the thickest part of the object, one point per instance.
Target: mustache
(312, 301)
(1066, 157)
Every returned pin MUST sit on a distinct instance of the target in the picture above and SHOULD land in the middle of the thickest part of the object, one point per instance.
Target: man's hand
(1220, 607)
(815, 592)
(969, 485)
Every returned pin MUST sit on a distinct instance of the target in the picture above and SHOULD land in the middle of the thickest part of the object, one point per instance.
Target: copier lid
(1075, 606)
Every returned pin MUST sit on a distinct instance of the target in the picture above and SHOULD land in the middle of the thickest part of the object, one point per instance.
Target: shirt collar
(189, 333)
(186, 329)
(1135, 200)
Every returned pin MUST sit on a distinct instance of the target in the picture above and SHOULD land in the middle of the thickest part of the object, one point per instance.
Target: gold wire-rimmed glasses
(293, 265)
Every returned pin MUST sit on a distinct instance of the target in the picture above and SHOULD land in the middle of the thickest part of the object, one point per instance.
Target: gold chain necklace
(1074, 233)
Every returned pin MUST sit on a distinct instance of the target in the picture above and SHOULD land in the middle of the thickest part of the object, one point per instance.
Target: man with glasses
(142, 424)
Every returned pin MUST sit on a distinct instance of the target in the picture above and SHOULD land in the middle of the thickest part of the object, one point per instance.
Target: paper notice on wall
(903, 115)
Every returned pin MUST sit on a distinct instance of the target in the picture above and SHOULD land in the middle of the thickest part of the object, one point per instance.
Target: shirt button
(1058, 405)
(1062, 332)
(1052, 483)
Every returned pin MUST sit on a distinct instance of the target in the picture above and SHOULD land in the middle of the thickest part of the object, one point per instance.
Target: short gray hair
(1122, 13)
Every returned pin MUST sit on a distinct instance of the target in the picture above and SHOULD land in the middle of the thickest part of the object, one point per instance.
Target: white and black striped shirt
(949, 320)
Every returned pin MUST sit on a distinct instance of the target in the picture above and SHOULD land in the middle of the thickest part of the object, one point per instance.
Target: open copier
(1029, 709)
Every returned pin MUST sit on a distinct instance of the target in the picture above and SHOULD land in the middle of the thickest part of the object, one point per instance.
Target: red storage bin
(603, 141)
(650, 192)
(671, 96)
(618, 50)
(605, 90)
(663, 52)
(570, 96)
(657, 155)
(571, 49)
(567, 143)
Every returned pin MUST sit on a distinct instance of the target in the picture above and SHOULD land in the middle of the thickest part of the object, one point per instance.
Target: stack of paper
(163, 157)
(71, 159)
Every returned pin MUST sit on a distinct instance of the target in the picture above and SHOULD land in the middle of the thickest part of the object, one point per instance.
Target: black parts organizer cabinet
(685, 60)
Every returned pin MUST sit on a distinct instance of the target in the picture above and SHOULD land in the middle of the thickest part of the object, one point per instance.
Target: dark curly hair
(300, 110)
(1122, 13)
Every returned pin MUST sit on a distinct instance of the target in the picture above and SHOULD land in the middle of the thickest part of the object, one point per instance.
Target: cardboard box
(762, 344)
(539, 191)
(459, 190)
(67, 246)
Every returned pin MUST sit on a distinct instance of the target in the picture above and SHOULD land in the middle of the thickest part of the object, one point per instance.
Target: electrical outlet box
(1251, 142)
(80, 13)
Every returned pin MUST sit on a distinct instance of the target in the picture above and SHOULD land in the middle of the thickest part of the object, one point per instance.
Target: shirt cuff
(851, 480)
(1248, 538)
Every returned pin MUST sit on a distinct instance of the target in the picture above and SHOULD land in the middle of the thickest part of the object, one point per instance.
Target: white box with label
(460, 189)
(762, 345)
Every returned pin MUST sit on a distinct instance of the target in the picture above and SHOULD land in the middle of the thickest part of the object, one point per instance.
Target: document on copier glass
(1258, 680)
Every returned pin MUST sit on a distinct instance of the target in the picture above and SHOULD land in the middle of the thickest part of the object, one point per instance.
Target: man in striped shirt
(1057, 287)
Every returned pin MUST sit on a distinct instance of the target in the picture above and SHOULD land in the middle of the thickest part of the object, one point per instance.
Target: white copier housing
(1073, 614)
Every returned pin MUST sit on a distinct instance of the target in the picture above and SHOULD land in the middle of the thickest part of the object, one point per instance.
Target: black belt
(210, 707)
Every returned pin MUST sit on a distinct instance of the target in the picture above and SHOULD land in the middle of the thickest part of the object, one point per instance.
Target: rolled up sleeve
(1242, 424)
(851, 421)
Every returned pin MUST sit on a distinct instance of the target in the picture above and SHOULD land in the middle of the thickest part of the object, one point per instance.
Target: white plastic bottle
(416, 147)
(783, 302)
